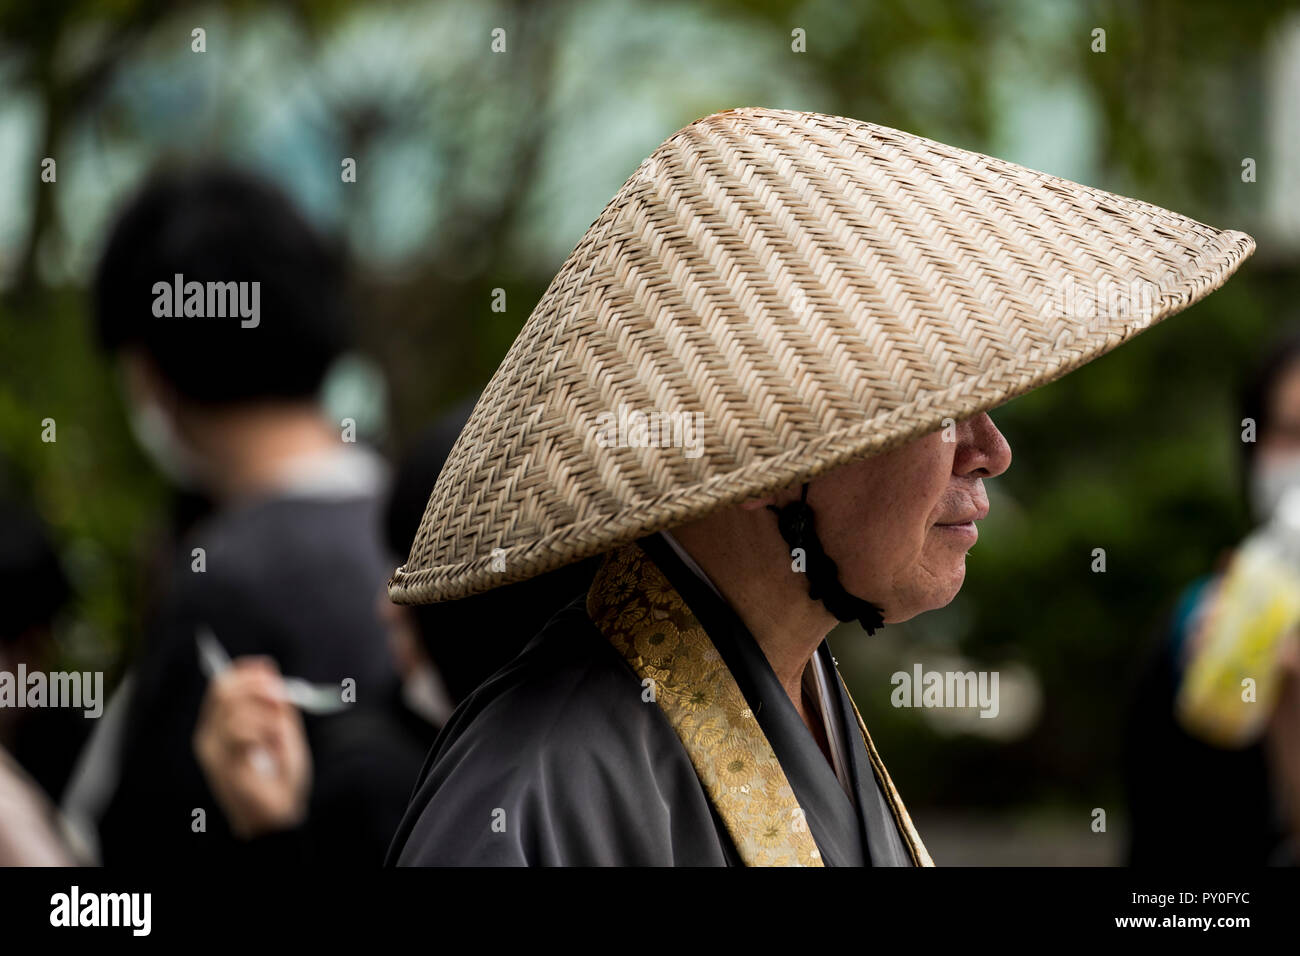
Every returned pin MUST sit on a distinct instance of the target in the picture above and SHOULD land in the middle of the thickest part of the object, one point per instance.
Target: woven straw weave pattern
(818, 289)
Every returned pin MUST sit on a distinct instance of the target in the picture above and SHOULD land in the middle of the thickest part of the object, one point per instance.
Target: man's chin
(933, 601)
(949, 594)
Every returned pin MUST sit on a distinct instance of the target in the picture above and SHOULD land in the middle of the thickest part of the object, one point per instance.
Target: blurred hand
(252, 747)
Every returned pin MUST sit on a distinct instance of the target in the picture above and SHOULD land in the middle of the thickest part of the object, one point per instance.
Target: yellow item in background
(1240, 638)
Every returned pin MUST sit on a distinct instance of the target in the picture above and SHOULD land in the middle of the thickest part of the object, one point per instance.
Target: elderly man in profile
(841, 305)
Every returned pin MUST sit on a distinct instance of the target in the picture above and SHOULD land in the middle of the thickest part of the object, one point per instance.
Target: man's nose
(982, 451)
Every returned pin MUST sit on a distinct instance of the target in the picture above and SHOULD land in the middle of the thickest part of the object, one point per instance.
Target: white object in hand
(308, 697)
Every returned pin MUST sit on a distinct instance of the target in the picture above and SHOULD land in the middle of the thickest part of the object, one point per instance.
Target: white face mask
(163, 445)
(1270, 479)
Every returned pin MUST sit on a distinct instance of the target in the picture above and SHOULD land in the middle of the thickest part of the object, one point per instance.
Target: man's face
(899, 524)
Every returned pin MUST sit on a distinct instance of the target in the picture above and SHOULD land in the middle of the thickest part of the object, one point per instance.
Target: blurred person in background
(1196, 800)
(33, 589)
(251, 742)
(286, 562)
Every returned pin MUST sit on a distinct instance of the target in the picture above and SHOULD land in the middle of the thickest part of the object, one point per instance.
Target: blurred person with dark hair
(1173, 772)
(33, 589)
(251, 743)
(225, 309)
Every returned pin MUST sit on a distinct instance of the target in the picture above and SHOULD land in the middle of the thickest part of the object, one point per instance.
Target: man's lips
(977, 515)
(964, 527)
(965, 531)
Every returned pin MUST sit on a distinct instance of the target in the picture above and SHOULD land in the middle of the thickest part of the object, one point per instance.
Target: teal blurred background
(478, 171)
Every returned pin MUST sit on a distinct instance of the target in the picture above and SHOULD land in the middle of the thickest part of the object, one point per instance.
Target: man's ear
(754, 504)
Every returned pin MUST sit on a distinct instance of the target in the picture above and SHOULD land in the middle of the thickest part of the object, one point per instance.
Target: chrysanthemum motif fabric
(635, 606)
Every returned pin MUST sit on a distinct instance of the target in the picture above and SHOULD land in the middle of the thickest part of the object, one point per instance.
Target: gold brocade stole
(639, 611)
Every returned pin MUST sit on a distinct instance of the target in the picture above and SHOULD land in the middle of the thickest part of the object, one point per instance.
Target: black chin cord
(795, 522)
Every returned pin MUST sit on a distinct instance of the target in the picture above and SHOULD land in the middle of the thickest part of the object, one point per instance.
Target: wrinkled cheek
(905, 566)
(942, 560)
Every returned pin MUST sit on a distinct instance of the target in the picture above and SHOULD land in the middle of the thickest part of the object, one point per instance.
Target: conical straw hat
(773, 294)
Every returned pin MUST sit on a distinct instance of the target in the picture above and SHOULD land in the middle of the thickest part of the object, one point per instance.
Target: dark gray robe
(557, 760)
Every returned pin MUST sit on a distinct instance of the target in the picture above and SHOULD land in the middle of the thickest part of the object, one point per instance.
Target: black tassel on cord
(795, 522)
